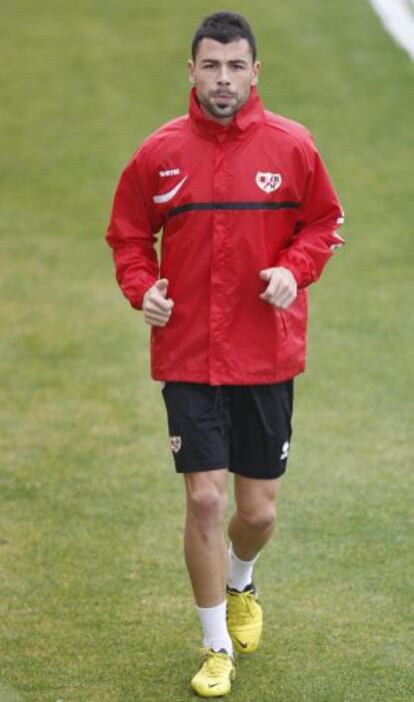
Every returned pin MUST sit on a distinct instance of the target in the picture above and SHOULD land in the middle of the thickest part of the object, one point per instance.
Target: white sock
(240, 572)
(214, 626)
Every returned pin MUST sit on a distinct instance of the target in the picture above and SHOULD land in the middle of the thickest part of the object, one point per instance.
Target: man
(248, 215)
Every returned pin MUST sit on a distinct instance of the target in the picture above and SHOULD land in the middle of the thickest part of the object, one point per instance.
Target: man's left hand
(282, 288)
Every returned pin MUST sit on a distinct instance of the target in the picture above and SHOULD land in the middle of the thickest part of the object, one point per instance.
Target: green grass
(94, 601)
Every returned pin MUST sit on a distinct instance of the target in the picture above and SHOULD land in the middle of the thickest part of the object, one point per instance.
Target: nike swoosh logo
(241, 643)
(213, 684)
(166, 197)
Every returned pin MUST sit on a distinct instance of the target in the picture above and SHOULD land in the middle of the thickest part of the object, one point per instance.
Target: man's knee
(259, 518)
(206, 501)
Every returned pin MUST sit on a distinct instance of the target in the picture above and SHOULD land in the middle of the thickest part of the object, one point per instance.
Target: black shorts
(245, 428)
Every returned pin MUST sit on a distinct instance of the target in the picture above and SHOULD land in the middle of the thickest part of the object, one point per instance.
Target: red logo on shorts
(175, 442)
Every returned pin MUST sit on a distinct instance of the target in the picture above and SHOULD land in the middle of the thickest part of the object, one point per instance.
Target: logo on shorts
(268, 182)
(285, 451)
(175, 442)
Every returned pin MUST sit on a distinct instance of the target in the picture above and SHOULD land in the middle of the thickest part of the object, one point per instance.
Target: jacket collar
(246, 120)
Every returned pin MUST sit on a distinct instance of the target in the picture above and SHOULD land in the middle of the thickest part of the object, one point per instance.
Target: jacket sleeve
(131, 234)
(315, 238)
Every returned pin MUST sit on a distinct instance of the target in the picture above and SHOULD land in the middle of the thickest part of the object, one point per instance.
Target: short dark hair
(224, 27)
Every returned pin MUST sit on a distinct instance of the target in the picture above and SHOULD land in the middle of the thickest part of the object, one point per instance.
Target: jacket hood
(248, 118)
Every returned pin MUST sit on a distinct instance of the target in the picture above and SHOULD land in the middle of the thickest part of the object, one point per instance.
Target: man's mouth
(223, 97)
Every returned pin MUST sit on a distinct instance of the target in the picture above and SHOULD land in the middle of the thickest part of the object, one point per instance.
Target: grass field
(94, 602)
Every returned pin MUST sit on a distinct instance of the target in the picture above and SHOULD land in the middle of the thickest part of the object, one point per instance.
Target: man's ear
(256, 72)
(190, 71)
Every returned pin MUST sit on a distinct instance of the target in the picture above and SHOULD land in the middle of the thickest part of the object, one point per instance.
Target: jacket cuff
(136, 297)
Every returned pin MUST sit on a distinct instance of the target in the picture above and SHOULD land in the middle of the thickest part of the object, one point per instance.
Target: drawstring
(219, 406)
(218, 399)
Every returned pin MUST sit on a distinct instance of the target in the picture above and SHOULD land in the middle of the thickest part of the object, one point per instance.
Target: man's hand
(155, 305)
(282, 289)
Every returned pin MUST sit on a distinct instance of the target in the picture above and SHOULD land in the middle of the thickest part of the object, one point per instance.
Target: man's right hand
(156, 306)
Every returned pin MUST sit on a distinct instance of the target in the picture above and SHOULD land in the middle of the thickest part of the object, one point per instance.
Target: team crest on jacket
(175, 442)
(268, 182)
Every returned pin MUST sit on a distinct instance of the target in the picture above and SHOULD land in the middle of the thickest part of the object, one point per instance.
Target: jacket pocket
(281, 324)
(296, 319)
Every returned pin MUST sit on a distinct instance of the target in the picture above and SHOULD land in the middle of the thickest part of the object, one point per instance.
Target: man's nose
(223, 76)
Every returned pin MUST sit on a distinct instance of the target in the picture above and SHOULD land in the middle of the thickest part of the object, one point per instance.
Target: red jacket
(231, 201)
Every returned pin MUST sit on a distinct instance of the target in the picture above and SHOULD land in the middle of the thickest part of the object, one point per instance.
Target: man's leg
(207, 563)
(204, 542)
(249, 530)
(253, 522)
(198, 426)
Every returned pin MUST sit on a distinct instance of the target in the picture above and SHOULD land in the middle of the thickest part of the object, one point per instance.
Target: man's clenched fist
(282, 289)
(156, 306)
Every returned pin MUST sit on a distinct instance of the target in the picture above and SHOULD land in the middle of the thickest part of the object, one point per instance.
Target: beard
(222, 109)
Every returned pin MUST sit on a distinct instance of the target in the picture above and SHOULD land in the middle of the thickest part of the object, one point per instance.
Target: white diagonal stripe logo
(285, 451)
(166, 197)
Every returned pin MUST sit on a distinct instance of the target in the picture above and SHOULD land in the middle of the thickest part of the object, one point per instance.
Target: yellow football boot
(244, 619)
(215, 675)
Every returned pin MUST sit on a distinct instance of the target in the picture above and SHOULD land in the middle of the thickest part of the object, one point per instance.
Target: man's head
(223, 67)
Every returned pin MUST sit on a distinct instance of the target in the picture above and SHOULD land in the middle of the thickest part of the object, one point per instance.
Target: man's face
(223, 75)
